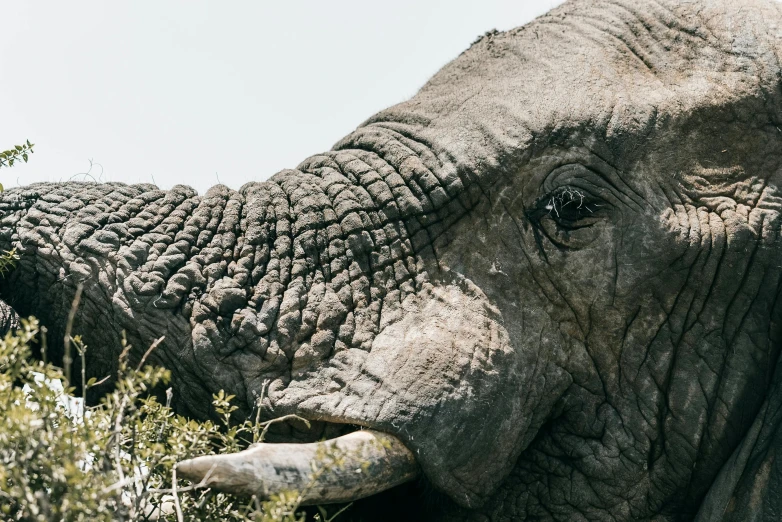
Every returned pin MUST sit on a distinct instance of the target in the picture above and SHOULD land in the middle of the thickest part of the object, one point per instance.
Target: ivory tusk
(347, 468)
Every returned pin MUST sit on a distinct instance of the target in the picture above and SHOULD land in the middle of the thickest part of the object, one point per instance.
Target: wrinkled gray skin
(553, 273)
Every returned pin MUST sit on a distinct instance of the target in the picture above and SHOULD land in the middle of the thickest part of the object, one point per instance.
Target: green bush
(60, 460)
(18, 152)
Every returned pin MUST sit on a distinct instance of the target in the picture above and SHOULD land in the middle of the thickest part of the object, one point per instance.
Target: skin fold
(553, 273)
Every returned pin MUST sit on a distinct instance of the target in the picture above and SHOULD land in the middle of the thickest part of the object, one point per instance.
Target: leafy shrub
(61, 460)
(18, 152)
(8, 260)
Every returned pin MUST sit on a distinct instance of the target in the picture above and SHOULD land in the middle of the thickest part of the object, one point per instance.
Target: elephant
(549, 281)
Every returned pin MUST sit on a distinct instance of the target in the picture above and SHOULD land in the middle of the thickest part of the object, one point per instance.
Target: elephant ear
(749, 485)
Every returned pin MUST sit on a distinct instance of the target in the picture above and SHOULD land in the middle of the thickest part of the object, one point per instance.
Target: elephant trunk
(347, 468)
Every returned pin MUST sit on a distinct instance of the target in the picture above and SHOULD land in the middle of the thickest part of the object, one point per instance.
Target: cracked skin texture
(553, 273)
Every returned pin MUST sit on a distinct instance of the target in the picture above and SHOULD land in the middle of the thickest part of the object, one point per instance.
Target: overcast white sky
(202, 92)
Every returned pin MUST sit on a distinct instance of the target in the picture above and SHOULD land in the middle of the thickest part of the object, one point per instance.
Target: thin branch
(117, 485)
(67, 337)
(268, 424)
(338, 513)
(259, 405)
(98, 383)
(44, 348)
(149, 351)
(200, 485)
(177, 506)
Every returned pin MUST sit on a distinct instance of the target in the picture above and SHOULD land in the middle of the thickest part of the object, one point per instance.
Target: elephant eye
(567, 217)
(569, 206)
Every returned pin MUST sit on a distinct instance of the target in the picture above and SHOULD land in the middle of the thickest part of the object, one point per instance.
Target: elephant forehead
(615, 69)
(587, 46)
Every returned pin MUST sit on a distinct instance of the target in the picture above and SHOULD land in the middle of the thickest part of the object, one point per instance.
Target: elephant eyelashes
(569, 206)
(566, 217)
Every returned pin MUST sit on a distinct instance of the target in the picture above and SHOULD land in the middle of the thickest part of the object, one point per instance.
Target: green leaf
(24, 157)
(18, 148)
(1, 187)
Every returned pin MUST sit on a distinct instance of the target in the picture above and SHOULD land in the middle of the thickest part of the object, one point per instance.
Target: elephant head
(552, 276)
